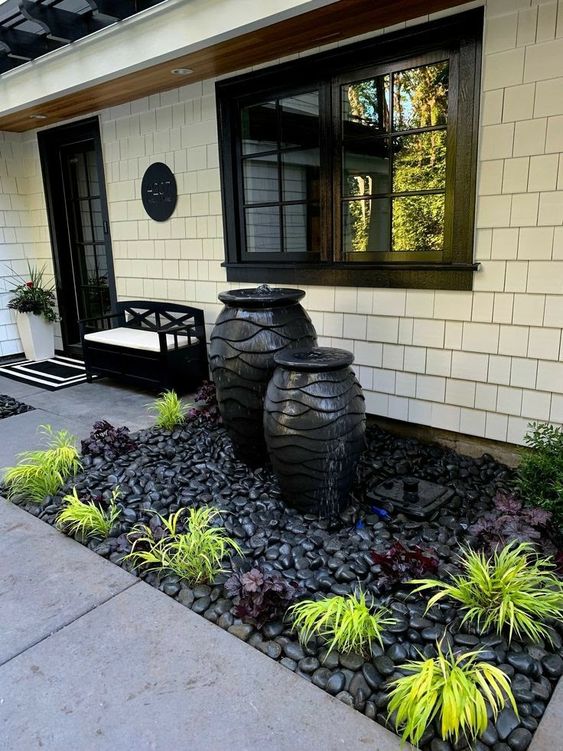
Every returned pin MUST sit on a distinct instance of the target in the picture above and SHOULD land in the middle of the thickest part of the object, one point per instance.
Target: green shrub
(195, 555)
(44, 472)
(346, 623)
(86, 518)
(512, 589)
(169, 410)
(539, 476)
(453, 688)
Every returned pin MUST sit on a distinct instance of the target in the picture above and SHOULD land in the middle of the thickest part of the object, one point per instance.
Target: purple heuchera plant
(400, 564)
(260, 596)
(511, 520)
(205, 404)
(107, 441)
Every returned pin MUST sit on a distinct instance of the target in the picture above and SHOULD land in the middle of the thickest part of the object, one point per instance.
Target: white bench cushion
(134, 339)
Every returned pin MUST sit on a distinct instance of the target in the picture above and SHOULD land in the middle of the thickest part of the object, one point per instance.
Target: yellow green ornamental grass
(44, 472)
(346, 623)
(169, 410)
(86, 518)
(455, 689)
(195, 555)
(513, 589)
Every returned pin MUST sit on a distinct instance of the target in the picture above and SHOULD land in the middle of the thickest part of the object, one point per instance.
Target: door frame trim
(50, 142)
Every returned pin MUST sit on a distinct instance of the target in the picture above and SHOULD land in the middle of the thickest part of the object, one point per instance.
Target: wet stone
(553, 666)
(345, 698)
(351, 660)
(384, 665)
(358, 683)
(294, 651)
(336, 683)
(241, 630)
(506, 723)
(397, 652)
(373, 678)
(519, 739)
(289, 664)
(271, 630)
(329, 659)
(320, 677)
(433, 633)
(308, 664)
(523, 663)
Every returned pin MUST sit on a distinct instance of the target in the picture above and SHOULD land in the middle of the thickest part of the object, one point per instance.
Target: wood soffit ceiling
(339, 20)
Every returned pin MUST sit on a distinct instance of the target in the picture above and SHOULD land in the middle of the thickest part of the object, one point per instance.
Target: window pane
(418, 223)
(259, 127)
(420, 97)
(301, 228)
(366, 167)
(301, 171)
(263, 230)
(260, 175)
(419, 161)
(300, 120)
(365, 107)
(366, 225)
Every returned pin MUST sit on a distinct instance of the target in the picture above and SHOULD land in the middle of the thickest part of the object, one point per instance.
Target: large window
(356, 166)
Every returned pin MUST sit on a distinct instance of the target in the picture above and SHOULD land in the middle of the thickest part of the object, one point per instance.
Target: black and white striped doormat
(54, 374)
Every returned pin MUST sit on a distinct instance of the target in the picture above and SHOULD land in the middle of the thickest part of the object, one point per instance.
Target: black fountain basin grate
(412, 496)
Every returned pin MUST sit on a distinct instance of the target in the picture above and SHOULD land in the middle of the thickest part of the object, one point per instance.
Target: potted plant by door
(34, 302)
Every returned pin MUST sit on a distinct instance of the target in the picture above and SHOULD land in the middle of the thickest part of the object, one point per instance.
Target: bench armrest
(83, 323)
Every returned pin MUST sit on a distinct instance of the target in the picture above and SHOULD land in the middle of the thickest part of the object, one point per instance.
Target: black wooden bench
(153, 344)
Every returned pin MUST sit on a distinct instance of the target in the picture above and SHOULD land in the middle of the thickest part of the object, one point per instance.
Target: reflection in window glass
(366, 168)
(366, 225)
(301, 171)
(419, 161)
(365, 107)
(260, 175)
(263, 230)
(301, 227)
(259, 125)
(418, 223)
(420, 97)
(300, 120)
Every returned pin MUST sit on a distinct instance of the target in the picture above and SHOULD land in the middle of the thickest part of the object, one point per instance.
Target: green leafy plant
(513, 589)
(86, 518)
(168, 409)
(33, 295)
(455, 688)
(539, 477)
(346, 623)
(45, 471)
(195, 555)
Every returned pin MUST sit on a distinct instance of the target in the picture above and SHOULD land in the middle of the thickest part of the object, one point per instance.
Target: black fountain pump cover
(263, 296)
(416, 498)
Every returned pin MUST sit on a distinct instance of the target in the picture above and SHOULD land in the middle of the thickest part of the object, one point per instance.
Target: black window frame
(457, 38)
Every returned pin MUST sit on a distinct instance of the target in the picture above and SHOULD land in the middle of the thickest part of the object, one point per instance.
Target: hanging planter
(34, 303)
(254, 325)
(314, 425)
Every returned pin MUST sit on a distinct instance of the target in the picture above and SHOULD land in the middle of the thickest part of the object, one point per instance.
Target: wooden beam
(330, 23)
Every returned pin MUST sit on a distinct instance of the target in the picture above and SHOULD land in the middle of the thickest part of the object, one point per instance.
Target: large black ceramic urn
(314, 425)
(254, 325)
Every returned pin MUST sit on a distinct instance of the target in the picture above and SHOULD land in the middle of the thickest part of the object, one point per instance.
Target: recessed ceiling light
(38, 117)
(181, 71)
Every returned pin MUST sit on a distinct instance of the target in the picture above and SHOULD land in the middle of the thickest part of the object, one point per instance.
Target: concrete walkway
(93, 659)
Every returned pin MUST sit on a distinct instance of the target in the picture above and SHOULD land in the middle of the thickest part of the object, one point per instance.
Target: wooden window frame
(456, 38)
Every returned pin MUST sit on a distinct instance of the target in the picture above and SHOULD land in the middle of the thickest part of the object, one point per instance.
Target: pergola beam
(8, 63)
(117, 9)
(62, 24)
(25, 45)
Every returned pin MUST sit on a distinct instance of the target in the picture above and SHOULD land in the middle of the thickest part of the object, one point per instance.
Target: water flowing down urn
(254, 326)
(314, 425)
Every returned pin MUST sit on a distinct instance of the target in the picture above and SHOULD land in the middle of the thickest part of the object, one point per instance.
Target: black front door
(73, 174)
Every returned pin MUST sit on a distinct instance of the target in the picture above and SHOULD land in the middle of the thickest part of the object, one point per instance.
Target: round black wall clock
(159, 192)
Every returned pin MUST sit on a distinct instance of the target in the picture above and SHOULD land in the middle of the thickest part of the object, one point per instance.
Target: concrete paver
(47, 580)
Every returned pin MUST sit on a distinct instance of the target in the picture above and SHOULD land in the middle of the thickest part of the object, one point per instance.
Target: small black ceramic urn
(254, 325)
(314, 425)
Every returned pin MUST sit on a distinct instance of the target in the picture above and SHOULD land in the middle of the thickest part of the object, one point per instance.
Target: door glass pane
(366, 225)
(260, 176)
(301, 172)
(365, 108)
(418, 223)
(301, 228)
(263, 230)
(366, 167)
(80, 183)
(84, 227)
(97, 220)
(419, 161)
(420, 97)
(259, 126)
(93, 183)
(300, 120)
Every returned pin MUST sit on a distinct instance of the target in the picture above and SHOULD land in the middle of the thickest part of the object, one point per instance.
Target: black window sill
(415, 275)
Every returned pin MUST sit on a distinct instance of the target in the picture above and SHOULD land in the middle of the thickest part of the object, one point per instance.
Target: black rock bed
(10, 407)
(195, 466)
